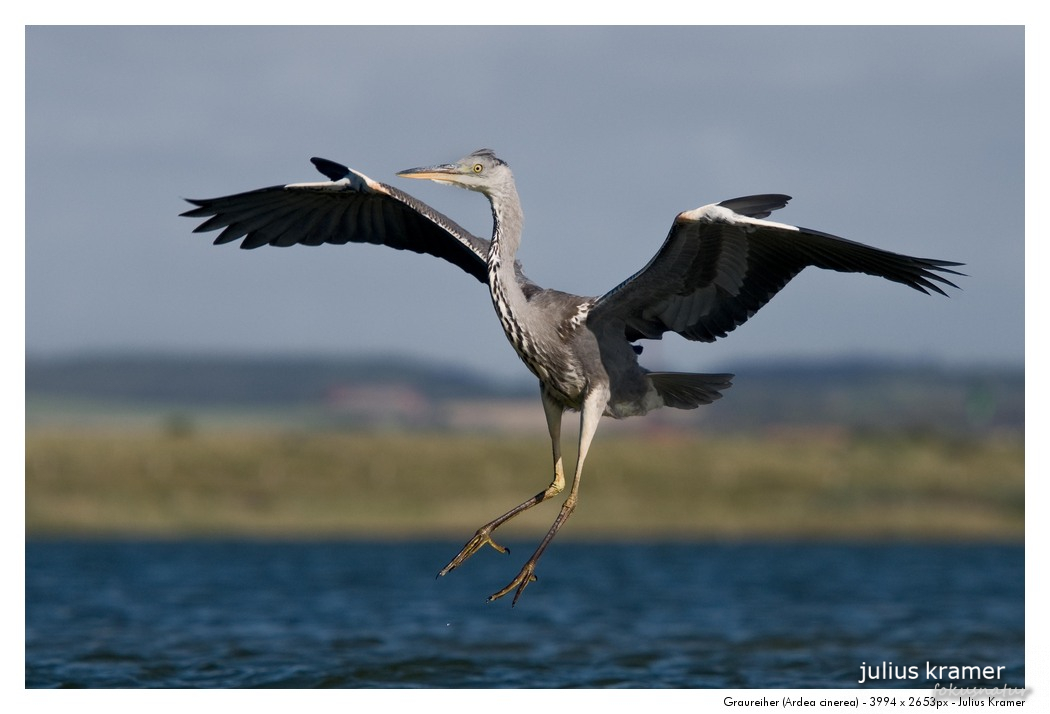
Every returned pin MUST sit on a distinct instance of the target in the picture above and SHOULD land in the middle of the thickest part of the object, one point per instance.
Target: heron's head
(480, 171)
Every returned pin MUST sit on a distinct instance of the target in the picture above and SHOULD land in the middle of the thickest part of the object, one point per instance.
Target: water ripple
(296, 615)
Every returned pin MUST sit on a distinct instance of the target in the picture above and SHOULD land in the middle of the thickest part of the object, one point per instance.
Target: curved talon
(526, 576)
(480, 538)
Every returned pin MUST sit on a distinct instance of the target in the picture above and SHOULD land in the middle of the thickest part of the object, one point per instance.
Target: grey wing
(350, 208)
(721, 263)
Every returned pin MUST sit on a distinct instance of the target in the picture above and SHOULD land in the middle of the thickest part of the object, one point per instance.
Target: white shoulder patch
(713, 213)
(582, 311)
(321, 185)
(353, 181)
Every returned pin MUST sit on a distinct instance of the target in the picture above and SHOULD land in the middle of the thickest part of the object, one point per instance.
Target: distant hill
(414, 393)
(242, 381)
(863, 394)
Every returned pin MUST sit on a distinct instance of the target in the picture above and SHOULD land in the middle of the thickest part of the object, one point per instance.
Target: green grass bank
(257, 483)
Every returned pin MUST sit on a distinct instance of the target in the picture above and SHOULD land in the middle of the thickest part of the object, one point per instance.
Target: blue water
(358, 614)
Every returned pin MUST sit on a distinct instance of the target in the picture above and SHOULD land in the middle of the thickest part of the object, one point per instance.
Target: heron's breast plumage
(543, 331)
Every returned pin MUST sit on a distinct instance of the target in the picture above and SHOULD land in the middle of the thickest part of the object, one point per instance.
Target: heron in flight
(719, 265)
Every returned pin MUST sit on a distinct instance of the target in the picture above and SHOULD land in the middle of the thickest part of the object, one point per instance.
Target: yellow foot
(524, 578)
(482, 537)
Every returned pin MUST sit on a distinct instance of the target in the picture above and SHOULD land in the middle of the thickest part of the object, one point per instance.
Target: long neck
(507, 221)
(507, 296)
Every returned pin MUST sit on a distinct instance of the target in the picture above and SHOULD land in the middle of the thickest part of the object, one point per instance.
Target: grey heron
(719, 264)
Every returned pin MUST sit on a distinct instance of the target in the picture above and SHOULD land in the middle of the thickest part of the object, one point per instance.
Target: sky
(907, 138)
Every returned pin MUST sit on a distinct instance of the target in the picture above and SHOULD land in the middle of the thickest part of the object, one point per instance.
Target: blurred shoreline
(170, 446)
(404, 394)
(286, 484)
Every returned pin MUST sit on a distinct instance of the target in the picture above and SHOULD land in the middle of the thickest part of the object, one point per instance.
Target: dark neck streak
(507, 297)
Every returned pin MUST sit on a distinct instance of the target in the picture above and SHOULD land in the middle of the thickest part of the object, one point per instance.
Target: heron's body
(719, 265)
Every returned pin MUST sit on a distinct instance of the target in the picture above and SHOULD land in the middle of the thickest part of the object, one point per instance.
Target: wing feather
(349, 208)
(721, 263)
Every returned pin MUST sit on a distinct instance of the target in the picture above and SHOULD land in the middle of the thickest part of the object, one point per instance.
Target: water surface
(358, 614)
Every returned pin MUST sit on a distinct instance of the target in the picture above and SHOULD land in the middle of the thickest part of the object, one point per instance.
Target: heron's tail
(683, 390)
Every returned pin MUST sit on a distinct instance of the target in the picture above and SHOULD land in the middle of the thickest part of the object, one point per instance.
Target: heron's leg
(590, 415)
(553, 412)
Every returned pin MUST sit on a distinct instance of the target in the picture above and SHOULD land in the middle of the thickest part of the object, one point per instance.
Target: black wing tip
(333, 170)
(202, 210)
(192, 213)
(942, 265)
(923, 281)
(942, 268)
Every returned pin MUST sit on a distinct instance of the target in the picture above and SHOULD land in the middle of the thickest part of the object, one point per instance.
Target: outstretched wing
(350, 208)
(721, 263)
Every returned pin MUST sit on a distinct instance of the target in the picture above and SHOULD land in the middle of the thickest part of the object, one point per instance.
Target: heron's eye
(477, 168)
